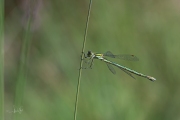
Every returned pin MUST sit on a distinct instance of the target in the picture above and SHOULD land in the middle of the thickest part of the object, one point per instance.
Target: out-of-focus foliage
(148, 29)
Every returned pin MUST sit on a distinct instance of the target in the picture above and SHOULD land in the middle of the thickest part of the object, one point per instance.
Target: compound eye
(89, 53)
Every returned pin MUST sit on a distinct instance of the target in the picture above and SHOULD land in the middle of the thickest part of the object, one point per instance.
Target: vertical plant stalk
(1, 59)
(81, 62)
(22, 73)
(21, 80)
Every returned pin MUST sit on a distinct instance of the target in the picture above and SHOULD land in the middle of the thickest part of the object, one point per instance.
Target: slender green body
(129, 70)
(92, 56)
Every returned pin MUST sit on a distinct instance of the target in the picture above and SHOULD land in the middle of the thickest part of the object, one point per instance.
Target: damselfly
(101, 57)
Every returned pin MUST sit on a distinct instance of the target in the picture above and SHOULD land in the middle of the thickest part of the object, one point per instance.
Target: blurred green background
(148, 29)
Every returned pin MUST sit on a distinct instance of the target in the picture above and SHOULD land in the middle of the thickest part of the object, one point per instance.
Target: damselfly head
(89, 54)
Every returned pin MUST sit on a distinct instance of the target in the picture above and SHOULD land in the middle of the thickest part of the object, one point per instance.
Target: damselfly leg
(88, 60)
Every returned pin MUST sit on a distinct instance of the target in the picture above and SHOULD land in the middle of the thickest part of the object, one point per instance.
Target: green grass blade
(2, 59)
(22, 73)
(81, 62)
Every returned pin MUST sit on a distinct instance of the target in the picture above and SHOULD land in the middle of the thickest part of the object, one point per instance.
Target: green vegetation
(2, 59)
(147, 29)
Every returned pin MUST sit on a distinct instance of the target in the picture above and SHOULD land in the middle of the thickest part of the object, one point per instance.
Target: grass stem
(81, 62)
(1, 59)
